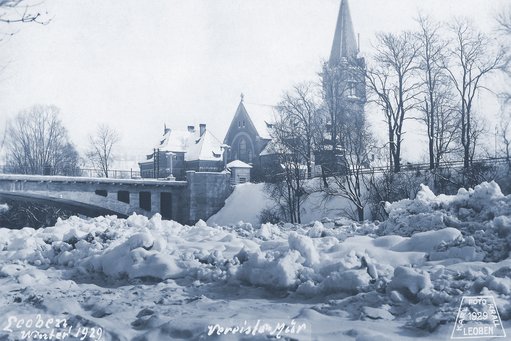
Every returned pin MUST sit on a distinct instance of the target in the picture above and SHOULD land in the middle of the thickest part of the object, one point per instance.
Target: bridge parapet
(200, 196)
(121, 196)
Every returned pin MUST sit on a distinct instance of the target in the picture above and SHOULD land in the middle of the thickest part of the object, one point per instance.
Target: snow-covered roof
(262, 116)
(177, 141)
(238, 164)
(206, 148)
(292, 165)
(269, 149)
(196, 147)
(273, 148)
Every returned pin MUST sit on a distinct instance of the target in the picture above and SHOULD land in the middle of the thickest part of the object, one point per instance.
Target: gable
(250, 119)
(241, 123)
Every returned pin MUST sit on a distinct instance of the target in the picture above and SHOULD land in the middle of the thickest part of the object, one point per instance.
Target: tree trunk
(397, 161)
(360, 211)
(431, 132)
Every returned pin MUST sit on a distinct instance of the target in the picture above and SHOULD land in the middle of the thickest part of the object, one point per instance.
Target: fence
(78, 172)
(426, 166)
(131, 174)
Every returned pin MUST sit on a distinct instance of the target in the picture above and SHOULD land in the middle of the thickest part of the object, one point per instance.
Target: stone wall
(206, 193)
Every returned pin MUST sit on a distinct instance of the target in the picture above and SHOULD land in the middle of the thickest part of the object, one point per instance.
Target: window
(250, 155)
(166, 205)
(123, 196)
(242, 150)
(101, 192)
(145, 200)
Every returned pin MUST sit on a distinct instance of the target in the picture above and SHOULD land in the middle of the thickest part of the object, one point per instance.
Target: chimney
(202, 128)
(191, 129)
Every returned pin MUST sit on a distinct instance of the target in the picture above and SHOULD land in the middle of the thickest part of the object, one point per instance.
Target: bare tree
(300, 115)
(358, 146)
(394, 84)
(294, 136)
(504, 30)
(10, 13)
(503, 130)
(287, 187)
(101, 148)
(438, 106)
(472, 58)
(13, 12)
(446, 128)
(504, 20)
(37, 143)
(297, 128)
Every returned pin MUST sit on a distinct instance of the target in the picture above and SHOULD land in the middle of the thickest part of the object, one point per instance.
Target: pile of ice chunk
(481, 215)
(431, 251)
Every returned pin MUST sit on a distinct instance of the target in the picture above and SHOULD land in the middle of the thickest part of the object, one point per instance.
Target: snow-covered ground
(148, 279)
(248, 200)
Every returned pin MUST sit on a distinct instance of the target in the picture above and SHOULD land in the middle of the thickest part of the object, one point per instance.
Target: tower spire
(345, 43)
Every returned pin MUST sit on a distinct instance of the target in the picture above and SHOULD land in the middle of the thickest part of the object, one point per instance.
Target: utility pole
(154, 163)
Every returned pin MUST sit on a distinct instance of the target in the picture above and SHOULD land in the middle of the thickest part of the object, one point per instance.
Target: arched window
(242, 150)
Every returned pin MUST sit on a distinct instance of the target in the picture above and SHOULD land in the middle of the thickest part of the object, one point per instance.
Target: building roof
(196, 147)
(344, 44)
(262, 116)
(270, 149)
(275, 148)
(238, 164)
(176, 141)
(206, 148)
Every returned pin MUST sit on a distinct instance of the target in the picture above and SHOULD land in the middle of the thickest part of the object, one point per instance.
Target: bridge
(199, 197)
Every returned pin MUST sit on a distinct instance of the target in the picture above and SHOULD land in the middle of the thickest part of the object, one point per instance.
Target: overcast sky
(139, 64)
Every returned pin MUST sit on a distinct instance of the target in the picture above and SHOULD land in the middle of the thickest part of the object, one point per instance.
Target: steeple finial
(344, 44)
(242, 96)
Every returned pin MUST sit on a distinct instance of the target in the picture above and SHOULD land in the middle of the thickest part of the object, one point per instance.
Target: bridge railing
(112, 173)
(79, 172)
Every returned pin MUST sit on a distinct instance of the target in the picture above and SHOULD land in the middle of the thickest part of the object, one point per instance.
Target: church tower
(344, 88)
(345, 60)
(345, 44)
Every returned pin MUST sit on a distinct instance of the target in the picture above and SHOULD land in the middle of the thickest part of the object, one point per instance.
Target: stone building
(179, 151)
(240, 172)
(249, 134)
